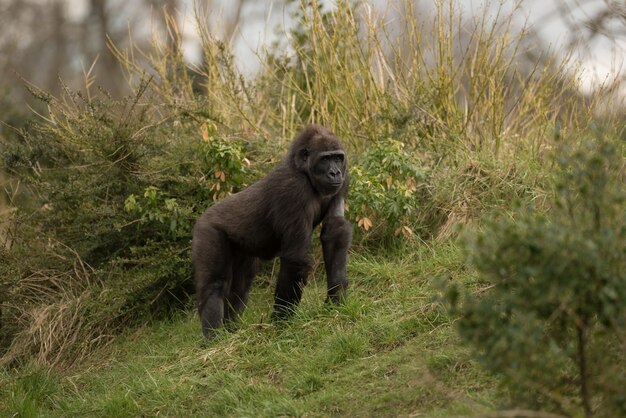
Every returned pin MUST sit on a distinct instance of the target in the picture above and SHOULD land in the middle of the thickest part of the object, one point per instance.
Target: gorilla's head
(318, 153)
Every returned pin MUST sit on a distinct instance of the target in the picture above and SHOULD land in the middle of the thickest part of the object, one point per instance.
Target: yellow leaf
(217, 174)
(410, 184)
(367, 224)
(204, 129)
(223, 176)
(389, 182)
(407, 231)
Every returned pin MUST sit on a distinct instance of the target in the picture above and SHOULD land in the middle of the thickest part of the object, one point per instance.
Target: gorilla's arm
(336, 237)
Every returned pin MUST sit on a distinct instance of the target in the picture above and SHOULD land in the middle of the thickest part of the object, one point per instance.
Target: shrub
(103, 231)
(222, 169)
(388, 190)
(553, 319)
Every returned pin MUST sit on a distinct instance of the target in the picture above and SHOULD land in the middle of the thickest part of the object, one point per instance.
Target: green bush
(222, 173)
(224, 167)
(388, 192)
(103, 228)
(552, 318)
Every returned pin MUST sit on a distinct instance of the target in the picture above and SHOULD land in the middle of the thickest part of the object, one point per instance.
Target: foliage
(222, 172)
(553, 315)
(225, 166)
(102, 233)
(157, 207)
(388, 189)
(76, 172)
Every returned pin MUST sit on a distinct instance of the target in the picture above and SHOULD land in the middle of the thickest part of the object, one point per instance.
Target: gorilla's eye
(333, 157)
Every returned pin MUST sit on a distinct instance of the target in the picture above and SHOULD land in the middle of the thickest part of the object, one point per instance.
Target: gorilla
(275, 217)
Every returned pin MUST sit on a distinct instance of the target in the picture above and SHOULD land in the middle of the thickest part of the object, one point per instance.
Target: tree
(553, 319)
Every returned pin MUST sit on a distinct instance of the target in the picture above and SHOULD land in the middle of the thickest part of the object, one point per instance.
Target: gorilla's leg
(212, 262)
(291, 280)
(336, 237)
(244, 269)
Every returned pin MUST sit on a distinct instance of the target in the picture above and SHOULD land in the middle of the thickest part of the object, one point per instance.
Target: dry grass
(54, 321)
(476, 83)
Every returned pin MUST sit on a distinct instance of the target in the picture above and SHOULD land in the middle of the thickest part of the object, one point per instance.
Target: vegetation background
(488, 272)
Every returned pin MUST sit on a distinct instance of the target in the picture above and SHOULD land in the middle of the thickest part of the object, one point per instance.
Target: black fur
(275, 217)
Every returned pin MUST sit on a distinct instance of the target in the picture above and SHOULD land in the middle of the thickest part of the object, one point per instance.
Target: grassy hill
(390, 351)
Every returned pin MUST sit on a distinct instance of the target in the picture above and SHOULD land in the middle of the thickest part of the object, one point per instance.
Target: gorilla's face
(327, 171)
(320, 156)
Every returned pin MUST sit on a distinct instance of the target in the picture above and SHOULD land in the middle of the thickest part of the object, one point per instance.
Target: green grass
(390, 350)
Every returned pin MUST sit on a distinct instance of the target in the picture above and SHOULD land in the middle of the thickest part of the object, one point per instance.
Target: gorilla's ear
(302, 158)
